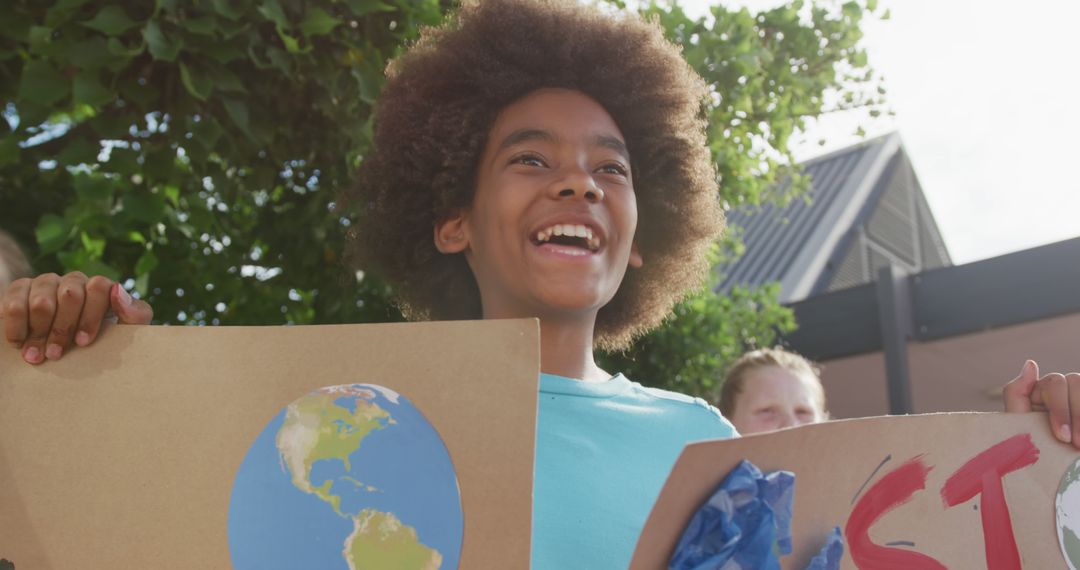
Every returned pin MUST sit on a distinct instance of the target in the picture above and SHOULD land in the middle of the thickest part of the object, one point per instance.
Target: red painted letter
(891, 491)
(982, 475)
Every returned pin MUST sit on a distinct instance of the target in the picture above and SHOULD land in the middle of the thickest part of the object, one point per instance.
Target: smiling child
(532, 159)
(545, 159)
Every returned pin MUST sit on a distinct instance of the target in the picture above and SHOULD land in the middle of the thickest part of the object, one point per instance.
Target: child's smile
(551, 227)
(573, 239)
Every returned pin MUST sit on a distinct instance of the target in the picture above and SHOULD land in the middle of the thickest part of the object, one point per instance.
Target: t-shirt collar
(553, 384)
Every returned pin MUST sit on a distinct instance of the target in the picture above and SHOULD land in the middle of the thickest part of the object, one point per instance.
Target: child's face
(774, 397)
(555, 163)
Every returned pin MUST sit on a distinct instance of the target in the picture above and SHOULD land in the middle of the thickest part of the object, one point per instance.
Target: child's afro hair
(440, 101)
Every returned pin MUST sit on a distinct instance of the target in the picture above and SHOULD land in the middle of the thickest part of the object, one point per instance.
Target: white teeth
(570, 230)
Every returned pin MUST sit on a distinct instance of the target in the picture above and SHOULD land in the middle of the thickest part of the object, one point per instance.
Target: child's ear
(635, 256)
(450, 236)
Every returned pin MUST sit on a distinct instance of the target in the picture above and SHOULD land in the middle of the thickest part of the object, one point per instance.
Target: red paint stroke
(892, 490)
(982, 476)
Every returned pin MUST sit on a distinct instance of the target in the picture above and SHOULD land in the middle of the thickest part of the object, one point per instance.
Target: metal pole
(895, 312)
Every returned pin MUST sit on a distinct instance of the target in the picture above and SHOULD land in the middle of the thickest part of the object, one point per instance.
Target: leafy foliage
(197, 147)
(769, 73)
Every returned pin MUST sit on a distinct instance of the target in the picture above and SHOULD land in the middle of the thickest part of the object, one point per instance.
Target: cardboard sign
(959, 490)
(255, 447)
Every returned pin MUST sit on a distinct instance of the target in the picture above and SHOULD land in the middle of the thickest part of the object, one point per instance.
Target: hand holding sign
(1055, 393)
(46, 315)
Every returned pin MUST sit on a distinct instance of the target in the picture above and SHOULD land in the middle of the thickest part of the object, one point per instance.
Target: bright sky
(987, 101)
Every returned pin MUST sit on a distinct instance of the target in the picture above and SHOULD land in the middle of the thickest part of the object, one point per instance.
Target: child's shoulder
(683, 403)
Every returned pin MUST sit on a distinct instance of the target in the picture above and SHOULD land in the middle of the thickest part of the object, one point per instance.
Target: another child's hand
(43, 316)
(1054, 393)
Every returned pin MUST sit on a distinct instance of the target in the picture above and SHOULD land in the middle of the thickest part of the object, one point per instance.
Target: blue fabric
(738, 527)
(831, 553)
(603, 451)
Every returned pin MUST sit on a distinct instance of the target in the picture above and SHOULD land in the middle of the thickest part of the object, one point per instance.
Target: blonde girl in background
(771, 389)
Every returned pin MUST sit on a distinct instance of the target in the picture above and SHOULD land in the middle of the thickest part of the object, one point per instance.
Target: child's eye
(528, 160)
(614, 168)
(765, 412)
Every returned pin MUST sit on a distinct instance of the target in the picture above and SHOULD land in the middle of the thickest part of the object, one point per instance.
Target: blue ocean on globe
(346, 477)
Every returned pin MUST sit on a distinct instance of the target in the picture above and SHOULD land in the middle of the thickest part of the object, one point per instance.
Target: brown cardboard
(832, 462)
(123, 455)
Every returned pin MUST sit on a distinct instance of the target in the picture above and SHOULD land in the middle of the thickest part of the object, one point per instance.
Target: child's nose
(579, 184)
(594, 194)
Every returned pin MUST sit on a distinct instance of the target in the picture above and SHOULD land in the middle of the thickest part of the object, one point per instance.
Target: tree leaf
(271, 10)
(164, 5)
(317, 22)
(88, 90)
(292, 45)
(224, 79)
(93, 188)
(52, 232)
(92, 53)
(117, 47)
(227, 9)
(162, 46)
(202, 26)
(111, 21)
(207, 132)
(42, 84)
(39, 37)
(365, 7)
(196, 81)
(94, 246)
(81, 261)
(9, 150)
(147, 262)
(145, 206)
(142, 284)
(62, 11)
(238, 112)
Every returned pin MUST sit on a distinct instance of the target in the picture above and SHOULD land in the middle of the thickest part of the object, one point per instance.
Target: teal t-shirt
(603, 451)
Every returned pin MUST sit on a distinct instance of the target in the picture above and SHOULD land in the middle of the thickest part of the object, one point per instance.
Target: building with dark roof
(865, 210)
(896, 326)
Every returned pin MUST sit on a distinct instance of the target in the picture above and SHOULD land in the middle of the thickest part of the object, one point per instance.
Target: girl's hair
(440, 101)
(735, 380)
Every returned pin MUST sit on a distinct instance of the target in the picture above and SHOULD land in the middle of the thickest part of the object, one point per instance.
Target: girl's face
(550, 232)
(773, 398)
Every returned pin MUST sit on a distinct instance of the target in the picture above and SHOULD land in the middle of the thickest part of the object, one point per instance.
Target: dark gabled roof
(793, 243)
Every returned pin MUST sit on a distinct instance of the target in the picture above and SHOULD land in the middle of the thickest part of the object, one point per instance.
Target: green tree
(769, 73)
(198, 147)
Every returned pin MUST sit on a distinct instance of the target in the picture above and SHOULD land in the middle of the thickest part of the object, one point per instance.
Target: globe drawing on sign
(347, 477)
(1067, 506)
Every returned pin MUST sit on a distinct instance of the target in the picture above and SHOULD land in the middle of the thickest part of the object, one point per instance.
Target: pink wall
(959, 373)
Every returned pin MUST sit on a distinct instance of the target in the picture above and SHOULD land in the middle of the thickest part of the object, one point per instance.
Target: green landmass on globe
(382, 541)
(315, 428)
